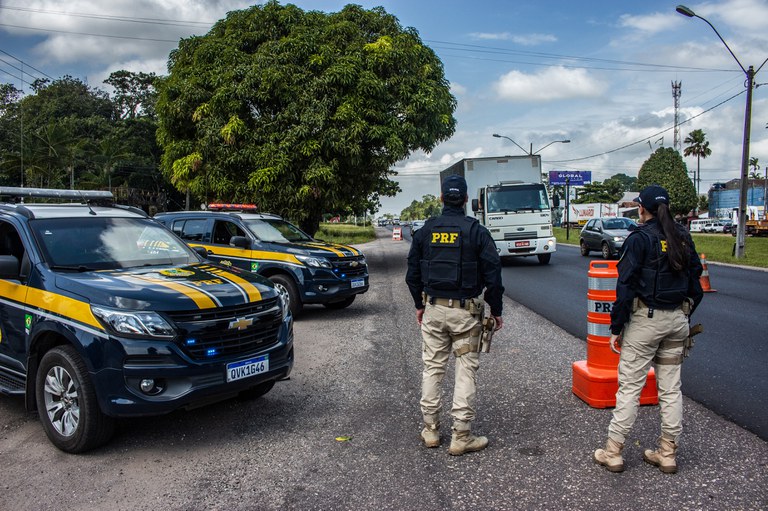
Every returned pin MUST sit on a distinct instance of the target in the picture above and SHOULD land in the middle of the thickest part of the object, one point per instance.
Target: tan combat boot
(663, 457)
(610, 456)
(430, 435)
(462, 441)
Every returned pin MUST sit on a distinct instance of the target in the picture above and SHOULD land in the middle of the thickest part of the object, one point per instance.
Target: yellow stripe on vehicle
(55, 303)
(354, 251)
(325, 247)
(260, 255)
(254, 295)
(201, 299)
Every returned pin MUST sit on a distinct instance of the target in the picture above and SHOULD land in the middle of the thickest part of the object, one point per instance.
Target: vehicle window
(190, 230)
(618, 223)
(591, 225)
(10, 242)
(223, 231)
(276, 230)
(108, 243)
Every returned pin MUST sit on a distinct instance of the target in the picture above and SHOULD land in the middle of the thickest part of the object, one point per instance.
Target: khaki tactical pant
(641, 343)
(445, 329)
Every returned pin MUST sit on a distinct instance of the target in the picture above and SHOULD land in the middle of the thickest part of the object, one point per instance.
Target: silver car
(606, 235)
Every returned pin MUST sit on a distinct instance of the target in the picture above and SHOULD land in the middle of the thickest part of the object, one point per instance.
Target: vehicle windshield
(505, 199)
(276, 230)
(108, 243)
(618, 223)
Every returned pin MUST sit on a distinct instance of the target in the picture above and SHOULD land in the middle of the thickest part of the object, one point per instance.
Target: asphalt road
(342, 433)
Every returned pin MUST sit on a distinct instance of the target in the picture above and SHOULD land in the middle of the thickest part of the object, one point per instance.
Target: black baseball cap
(651, 196)
(454, 185)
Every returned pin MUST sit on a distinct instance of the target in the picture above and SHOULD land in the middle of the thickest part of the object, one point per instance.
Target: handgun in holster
(486, 336)
(688, 345)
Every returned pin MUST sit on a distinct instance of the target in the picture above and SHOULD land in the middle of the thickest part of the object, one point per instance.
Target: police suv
(306, 269)
(104, 313)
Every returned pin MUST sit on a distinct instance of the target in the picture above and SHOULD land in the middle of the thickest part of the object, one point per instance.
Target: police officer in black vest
(452, 259)
(656, 292)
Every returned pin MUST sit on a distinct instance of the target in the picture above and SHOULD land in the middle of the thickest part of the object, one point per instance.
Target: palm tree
(755, 167)
(698, 146)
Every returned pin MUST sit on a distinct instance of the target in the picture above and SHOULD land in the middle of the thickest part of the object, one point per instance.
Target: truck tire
(67, 404)
(286, 285)
(544, 258)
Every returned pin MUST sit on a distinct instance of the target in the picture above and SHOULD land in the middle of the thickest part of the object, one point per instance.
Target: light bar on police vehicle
(52, 193)
(221, 206)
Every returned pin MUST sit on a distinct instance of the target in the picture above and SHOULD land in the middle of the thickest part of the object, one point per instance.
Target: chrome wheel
(61, 401)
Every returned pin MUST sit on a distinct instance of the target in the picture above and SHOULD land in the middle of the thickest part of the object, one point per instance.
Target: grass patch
(345, 234)
(717, 247)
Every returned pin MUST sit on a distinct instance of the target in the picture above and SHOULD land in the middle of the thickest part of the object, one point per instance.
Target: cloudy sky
(599, 73)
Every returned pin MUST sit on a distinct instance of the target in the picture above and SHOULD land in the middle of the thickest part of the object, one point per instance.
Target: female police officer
(657, 289)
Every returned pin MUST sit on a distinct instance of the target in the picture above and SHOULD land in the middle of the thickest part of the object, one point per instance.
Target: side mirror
(9, 267)
(201, 251)
(475, 205)
(240, 242)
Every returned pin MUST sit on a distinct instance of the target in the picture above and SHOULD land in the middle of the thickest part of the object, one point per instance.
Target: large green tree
(301, 112)
(698, 146)
(607, 192)
(428, 206)
(666, 167)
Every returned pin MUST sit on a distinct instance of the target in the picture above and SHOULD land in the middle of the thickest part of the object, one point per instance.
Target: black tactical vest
(449, 265)
(660, 286)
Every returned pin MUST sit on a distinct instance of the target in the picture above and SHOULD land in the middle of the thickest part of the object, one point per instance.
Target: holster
(486, 336)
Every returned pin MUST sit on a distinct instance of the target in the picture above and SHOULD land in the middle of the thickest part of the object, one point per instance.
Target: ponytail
(678, 251)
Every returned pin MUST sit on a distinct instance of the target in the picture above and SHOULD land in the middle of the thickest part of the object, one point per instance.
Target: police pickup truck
(104, 313)
(306, 269)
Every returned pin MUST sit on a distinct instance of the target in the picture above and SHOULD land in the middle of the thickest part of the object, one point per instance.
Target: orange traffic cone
(704, 279)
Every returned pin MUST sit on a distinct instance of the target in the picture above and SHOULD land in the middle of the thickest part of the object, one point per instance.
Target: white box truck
(508, 197)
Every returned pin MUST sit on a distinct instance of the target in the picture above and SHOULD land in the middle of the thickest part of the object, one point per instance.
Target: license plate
(522, 243)
(247, 368)
(357, 283)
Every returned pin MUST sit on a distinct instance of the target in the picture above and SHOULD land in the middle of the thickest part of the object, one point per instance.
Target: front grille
(349, 266)
(522, 235)
(212, 334)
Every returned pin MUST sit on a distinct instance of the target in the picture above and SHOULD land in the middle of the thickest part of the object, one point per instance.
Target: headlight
(283, 299)
(133, 323)
(362, 260)
(618, 238)
(317, 262)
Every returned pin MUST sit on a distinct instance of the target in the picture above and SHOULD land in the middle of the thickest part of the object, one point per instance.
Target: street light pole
(531, 152)
(518, 145)
(739, 251)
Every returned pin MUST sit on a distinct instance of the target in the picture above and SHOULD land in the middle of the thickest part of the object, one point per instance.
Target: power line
(24, 64)
(108, 17)
(92, 35)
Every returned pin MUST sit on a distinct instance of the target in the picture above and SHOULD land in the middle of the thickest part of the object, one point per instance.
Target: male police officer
(452, 258)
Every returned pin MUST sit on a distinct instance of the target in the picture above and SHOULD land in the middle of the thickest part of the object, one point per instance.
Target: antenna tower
(676, 86)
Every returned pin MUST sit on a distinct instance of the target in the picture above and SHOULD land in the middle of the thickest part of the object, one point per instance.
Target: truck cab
(519, 218)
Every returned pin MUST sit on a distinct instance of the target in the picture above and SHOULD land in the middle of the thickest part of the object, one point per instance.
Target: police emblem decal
(176, 272)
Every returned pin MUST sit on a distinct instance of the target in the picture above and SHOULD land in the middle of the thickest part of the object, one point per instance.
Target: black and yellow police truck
(104, 313)
(306, 269)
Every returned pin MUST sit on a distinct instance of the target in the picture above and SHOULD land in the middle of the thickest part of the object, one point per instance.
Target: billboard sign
(570, 177)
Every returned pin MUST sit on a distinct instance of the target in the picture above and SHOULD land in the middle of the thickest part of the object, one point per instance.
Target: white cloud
(457, 89)
(651, 23)
(551, 84)
(521, 39)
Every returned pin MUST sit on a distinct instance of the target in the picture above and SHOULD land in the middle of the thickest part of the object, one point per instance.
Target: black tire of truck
(286, 284)
(544, 258)
(62, 384)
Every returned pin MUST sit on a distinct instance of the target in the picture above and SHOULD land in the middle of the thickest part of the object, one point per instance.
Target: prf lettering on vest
(444, 238)
(663, 245)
